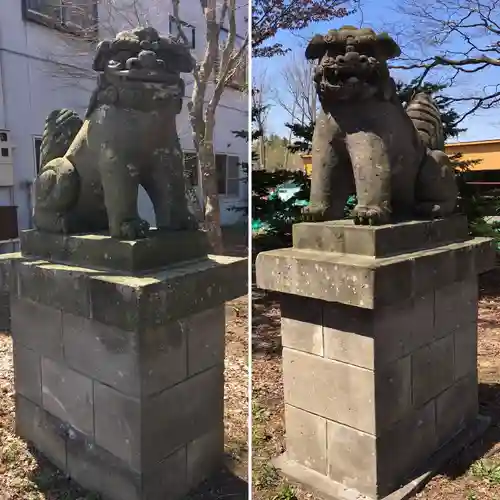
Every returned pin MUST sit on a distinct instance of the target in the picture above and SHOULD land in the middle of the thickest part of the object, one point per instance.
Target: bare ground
(27, 475)
(472, 475)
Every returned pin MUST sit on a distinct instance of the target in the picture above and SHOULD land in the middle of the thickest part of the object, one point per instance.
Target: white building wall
(32, 85)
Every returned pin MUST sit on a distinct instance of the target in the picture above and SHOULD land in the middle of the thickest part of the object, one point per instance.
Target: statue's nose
(351, 57)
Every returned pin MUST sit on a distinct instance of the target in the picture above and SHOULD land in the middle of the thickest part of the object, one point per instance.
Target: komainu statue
(92, 169)
(366, 142)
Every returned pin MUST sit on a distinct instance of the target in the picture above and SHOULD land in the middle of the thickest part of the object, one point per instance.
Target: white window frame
(61, 20)
(37, 157)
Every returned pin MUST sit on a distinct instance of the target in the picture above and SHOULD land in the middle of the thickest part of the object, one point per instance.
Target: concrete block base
(119, 377)
(329, 489)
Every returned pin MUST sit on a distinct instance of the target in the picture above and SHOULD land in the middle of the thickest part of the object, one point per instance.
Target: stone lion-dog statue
(92, 169)
(366, 142)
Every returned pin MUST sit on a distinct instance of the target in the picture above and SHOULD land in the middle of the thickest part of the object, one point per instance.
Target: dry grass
(26, 475)
(472, 475)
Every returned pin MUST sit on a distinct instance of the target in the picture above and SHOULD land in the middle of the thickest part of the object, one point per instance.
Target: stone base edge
(331, 490)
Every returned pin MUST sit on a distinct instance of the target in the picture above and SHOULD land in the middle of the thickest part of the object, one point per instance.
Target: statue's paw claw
(314, 214)
(370, 215)
(133, 229)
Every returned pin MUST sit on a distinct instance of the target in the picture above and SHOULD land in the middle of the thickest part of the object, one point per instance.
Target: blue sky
(381, 15)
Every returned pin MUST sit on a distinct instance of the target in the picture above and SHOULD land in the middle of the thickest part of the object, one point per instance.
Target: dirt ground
(27, 475)
(472, 475)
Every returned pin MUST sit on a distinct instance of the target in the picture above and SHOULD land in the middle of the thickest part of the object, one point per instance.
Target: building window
(239, 79)
(38, 145)
(78, 17)
(227, 168)
(4, 147)
(228, 174)
(187, 28)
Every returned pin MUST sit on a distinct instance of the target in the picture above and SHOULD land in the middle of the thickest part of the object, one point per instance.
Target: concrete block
(98, 470)
(57, 286)
(456, 407)
(325, 237)
(204, 455)
(189, 410)
(205, 339)
(163, 357)
(318, 386)
(357, 280)
(28, 373)
(67, 395)
(405, 446)
(352, 458)
(5, 312)
(433, 369)
(349, 335)
(393, 392)
(38, 327)
(379, 241)
(169, 479)
(160, 249)
(118, 424)
(301, 324)
(136, 302)
(42, 429)
(306, 438)
(102, 352)
(466, 350)
(455, 306)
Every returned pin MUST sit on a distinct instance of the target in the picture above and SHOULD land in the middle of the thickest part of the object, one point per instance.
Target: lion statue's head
(352, 63)
(142, 54)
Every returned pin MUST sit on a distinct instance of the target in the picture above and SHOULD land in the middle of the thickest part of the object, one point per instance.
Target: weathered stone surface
(456, 306)
(58, 286)
(68, 395)
(352, 458)
(193, 408)
(131, 303)
(318, 386)
(118, 424)
(204, 455)
(159, 249)
(456, 407)
(301, 324)
(38, 327)
(101, 352)
(98, 470)
(393, 174)
(379, 241)
(433, 369)
(28, 373)
(359, 280)
(466, 351)
(306, 438)
(205, 339)
(81, 190)
(45, 431)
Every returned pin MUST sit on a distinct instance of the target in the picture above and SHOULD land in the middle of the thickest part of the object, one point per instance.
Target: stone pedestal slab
(120, 377)
(379, 352)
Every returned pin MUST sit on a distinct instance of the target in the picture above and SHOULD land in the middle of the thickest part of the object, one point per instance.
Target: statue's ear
(387, 47)
(101, 57)
(316, 47)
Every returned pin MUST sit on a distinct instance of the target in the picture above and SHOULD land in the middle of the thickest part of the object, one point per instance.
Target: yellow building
(488, 152)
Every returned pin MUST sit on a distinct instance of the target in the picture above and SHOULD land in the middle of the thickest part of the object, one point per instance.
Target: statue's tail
(426, 117)
(61, 127)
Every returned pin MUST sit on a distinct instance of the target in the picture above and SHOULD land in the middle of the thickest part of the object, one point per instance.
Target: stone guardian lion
(92, 170)
(365, 141)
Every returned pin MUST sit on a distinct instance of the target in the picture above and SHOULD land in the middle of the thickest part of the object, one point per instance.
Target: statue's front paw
(314, 213)
(370, 215)
(134, 229)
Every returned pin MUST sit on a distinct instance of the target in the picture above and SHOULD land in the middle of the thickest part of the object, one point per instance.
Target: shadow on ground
(266, 321)
(55, 485)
